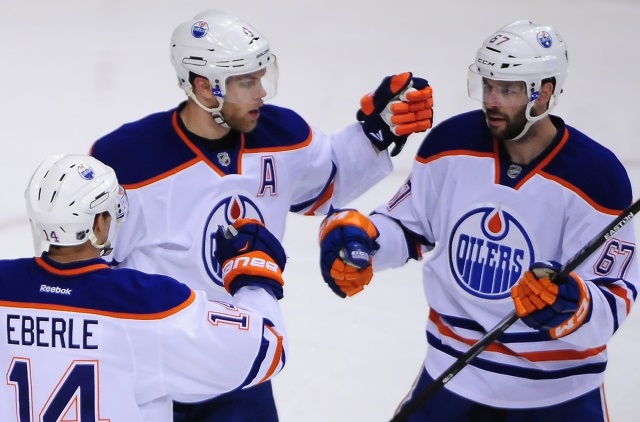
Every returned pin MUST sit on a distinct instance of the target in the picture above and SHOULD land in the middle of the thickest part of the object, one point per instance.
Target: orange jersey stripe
(540, 356)
(70, 272)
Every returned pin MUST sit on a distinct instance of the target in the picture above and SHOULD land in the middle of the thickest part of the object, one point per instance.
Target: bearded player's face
(504, 104)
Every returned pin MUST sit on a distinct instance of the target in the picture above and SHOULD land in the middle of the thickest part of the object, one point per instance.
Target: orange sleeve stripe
(328, 193)
(277, 356)
(623, 294)
(120, 315)
(541, 356)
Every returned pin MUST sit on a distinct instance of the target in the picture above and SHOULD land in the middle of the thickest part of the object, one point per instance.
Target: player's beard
(514, 124)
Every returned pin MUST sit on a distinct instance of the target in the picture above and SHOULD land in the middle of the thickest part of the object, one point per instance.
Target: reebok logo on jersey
(58, 290)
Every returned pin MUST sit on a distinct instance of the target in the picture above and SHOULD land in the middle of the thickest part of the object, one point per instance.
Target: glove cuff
(268, 284)
(255, 264)
(581, 315)
(379, 133)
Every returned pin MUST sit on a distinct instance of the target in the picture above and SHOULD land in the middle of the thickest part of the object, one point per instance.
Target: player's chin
(247, 124)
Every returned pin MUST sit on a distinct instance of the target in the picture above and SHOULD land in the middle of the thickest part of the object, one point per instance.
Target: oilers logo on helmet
(544, 39)
(489, 251)
(86, 172)
(199, 29)
(224, 213)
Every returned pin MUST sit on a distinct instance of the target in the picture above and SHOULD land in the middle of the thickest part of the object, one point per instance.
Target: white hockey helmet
(217, 45)
(521, 51)
(65, 194)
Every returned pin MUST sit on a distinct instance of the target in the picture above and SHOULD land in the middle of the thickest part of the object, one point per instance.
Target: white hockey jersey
(487, 220)
(84, 342)
(182, 188)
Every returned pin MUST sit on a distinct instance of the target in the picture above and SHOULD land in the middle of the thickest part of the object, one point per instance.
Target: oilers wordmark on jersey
(489, 250)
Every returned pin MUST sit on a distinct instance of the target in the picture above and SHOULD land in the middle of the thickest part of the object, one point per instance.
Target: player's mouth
(494, 119)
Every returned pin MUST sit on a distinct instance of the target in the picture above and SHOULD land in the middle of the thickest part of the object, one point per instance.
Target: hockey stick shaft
(510, 319)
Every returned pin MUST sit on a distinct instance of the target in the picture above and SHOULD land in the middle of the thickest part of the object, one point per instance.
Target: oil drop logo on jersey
(489, 250)
(224, 213)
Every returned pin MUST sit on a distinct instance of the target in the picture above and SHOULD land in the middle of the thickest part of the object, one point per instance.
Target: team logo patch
(544, 39)
(489, 250)
(199, 29)
(86, 172)
(224, 213)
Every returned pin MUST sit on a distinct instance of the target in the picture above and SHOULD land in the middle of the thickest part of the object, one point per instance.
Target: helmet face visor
(253, 87)
(496, 91)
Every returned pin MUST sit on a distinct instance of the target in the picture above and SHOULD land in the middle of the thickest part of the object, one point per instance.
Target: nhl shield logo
(224, 159)
(489, 250)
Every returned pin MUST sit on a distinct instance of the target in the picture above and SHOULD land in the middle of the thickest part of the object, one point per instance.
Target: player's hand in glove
(401, 105)
(559, 306)
(347, 244)
(250, 255)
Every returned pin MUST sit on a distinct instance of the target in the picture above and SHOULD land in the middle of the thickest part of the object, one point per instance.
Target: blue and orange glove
(347, 244)
(401, 105)
(559, 306)
(250, 255)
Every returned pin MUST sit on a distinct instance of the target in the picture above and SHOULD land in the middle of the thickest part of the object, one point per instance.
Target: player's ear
(202, 90)
(201, 84)
(101, 225)
(546, 91)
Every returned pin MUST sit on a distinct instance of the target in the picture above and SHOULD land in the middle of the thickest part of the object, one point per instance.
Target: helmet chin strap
(215, 111)
(105, 248)
(531, 120)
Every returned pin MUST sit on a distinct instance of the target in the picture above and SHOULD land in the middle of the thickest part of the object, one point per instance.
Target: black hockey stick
(508, 320)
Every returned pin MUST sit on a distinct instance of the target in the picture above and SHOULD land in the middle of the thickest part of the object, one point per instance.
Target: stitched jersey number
(233, 316)
(616, 256)
(74, 394)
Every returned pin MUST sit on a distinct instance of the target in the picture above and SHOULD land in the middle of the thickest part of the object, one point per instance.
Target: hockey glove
(250, 255)
(401, 105)
(347, 244)
(558, 306)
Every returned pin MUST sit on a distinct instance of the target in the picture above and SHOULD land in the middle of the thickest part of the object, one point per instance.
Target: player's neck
(533, 143)
(66, 254)
(201, 122)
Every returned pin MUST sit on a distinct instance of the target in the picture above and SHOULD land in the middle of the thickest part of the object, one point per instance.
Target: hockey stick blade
(484, 342)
